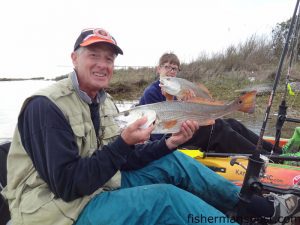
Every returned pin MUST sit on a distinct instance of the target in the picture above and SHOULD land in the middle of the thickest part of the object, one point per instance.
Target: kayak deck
(279, 175)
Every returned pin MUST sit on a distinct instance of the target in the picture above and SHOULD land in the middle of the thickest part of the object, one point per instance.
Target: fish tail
(247, 102)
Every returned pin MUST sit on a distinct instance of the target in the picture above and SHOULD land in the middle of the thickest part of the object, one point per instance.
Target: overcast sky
(37, 36)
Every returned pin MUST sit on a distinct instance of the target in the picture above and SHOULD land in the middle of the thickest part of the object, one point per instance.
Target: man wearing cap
(68, 165)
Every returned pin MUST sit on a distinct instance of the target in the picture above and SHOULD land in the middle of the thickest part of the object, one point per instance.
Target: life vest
(29, 197)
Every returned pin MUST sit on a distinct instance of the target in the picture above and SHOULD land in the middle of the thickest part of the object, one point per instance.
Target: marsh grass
(128, 84)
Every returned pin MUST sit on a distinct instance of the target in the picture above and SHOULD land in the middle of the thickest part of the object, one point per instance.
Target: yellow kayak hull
(279, 175)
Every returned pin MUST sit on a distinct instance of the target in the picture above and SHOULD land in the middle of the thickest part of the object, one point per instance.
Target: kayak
(278, 175)
(282, 141)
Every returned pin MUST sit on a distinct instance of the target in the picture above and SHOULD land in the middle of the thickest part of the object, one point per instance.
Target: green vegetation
(221, 73)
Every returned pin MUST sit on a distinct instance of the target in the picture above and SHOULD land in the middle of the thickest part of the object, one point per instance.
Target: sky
(37, 37)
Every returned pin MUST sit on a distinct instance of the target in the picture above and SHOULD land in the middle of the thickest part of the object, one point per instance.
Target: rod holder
(251, 184)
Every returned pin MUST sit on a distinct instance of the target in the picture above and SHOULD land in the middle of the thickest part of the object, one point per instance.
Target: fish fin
(247, 102)
(168, 96)
(169, 124)
(207, 122)
(205, 100)
(186, 94)
(204, 89)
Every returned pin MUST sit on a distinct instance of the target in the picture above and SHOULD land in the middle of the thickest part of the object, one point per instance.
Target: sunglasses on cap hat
(96, 35)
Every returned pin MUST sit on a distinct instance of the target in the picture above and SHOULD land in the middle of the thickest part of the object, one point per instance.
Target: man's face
(94, 65)
(168, 69)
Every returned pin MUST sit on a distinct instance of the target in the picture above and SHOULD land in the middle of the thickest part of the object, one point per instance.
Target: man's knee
(168, 190)
(236, 125)
(232, 121)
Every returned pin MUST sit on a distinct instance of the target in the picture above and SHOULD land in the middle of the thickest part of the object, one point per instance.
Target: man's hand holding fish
(186, 132)
(137, 133)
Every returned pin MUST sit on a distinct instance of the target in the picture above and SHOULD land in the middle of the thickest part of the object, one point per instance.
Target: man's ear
(74, 58)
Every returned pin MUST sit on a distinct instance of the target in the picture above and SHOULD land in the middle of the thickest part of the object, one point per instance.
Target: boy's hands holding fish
(136, 133)
(182, 89)
(189, 94)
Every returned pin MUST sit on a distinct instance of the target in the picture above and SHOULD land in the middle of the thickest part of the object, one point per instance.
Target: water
(254, 122)
(13, 93)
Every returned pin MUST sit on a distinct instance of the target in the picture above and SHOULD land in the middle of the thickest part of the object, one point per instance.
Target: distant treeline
(14, 79)
(33, 78)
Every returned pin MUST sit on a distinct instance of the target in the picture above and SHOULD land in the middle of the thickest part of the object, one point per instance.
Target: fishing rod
(282, 110)
(271, 157)
(251, 182)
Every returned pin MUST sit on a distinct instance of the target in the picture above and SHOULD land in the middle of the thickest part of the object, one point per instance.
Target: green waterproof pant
(175, 189)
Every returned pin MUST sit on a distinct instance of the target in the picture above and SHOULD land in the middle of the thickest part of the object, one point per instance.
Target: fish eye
(126, 113)
(240, 102)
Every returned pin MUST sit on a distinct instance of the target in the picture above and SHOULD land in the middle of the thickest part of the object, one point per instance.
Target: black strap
(3, 158)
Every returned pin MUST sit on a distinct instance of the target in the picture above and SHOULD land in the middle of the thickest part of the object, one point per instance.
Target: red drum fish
(182, 88)
(168, 116)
